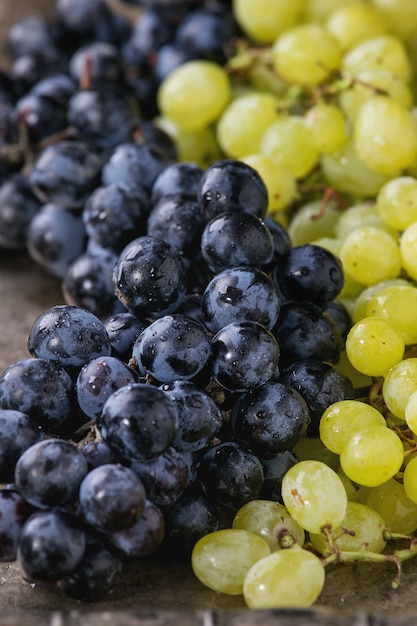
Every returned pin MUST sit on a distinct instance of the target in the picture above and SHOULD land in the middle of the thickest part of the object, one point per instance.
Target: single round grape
(221, 560)
(368, 293)
(397, 202)
(194, 94)
(310, 222)
(313, 449)
(285, 578)
(370, 255)
(306, 55)
(363, 214)
(373, 345)
(328, 125)
(392, 503)
(399, 383)
(341, 419)
(362, 529)
(397, 304)
(264, 20)
(400, 15)
(314, 495)
(384, 51)
(270, 520)
(17, 433)
(278, 178)
(198, 146)
(372, 455)
(352, 23)
(354, 492)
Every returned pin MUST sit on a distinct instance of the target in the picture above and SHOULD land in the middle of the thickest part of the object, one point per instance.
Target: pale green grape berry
(328, 125)
(373, 345)
(314, 495)
(306, 55)
(313, 449)
(370, 255)
(320, 10)
(360, 307)
(372, 456)
(221, 559)
(194, 94)
(383, 52)
(244, 122)
(408, 250)
(346, 172)
(400, 15)
(411, 412)
(270, 520)
(398, 305)
(364, 214)
(362, 529)
(385, 135)
(394, 506)
(410, 479)
(342, 419)
(399, 383)
(290, 142)
(352, 23)
(199, 146)
(358, 380)
(310, 222)
(286, 578)
(264, 20)
(397, 202)
(278, 178)
(354, 492)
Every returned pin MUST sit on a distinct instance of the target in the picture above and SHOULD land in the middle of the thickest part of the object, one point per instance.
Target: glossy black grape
(18, 206)
(240, 294)
(101, 60)
(49, 473)
(231, 475)
(17, 433)
(29, 35)
(14, 511)
(280, 236)
(149, 277)
(96, 453)
(199, 417)
(173, 347)
(144, 537)
(133, 162)
(275, 467)
(30, 68)
(139, 422)
(341, 317)
(245, 356)
(321, 384)
(111, 497)
(70, 335)
(150, 32)
(270, 419)
(233, 238)
(165, 477)
(98, 379)
(51, 545)
(123, 329)
(180, 178)
(231, 185)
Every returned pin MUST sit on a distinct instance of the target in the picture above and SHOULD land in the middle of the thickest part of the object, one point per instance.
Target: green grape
(373, 345)
(378, 126)
(328, 125)
(359, 310)
(408, 250)
(194, 94)
(314, 495)
(394, 506)
(372, 455)
(365, 214)
(397, 304)
(410, 412)
(410, 479)
(278, 178)
(342, 419)
(198, 147)
(354, 492)
(367, 84)
(260, 78)
(344, 366)
(370, 255)
(397, 202)
(400, 15)
(244, 122)
(320, 10)
(264, 20)
(270, 520)
(345, 171)
(313, 449)
(286, 578)
(353, 23)
(290, 142)
(310, 222)
(362, 529)
(306, 55)
(221, 559)
(384, 52)
(399, 383)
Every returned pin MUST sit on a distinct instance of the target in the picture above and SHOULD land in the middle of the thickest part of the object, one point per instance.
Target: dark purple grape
(165, 477)
(29, 35)
(167, 58)
(17, 433)
(150, 32)
(51, 545)
(281, 238)
(275, 467)
(133, 162)
(49, 473)
(341, 317)
(111, 497)
(18, 206)
(123, 329)
(97, 453)
(100, 60)
(139, 422)
(29, 69)
(144, 537)
(14, 511)
(177, 179)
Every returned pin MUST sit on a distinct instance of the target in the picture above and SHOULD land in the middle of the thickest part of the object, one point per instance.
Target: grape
(354, 492)
(408, 246)
(409, 479)
(264, 20)
(14, 511)
(313, 449)
(400, 15)
(370, 255)
(397, 304)
(164, 477)
(328, 125)
(399, 383)
(362, 529)
(394, 506)
(377, 126)
(221, 559)
(372, 455)
(17, 433)
(397, 202)
(194, 94)
(199, 146)
(285, 578)
(269, 520)
(320, 10)
(310, 223)
(341, 419)
(306, 54)
(278, 178)
(374, 344)
(410, 412)
(353, 23)
(359, 215)
(385, 51)
(314, 495)
(368, 293)
(143, 537)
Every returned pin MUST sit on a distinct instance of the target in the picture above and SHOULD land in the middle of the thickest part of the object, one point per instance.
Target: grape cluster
(227, 193)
